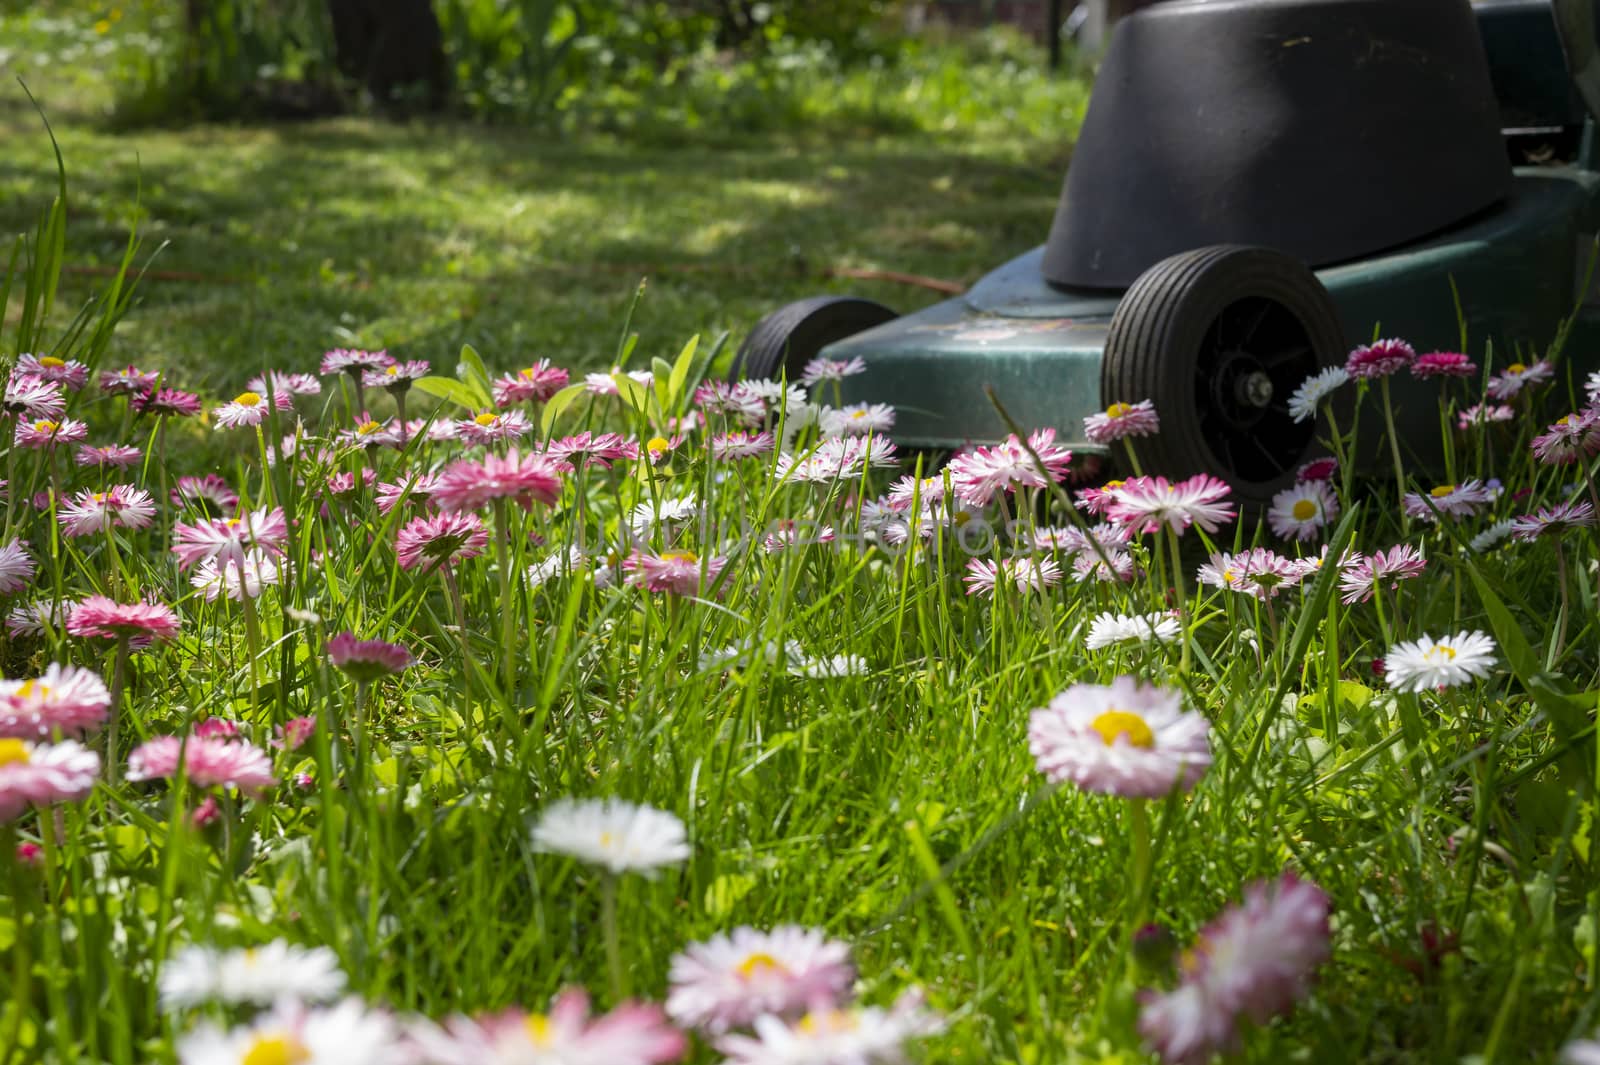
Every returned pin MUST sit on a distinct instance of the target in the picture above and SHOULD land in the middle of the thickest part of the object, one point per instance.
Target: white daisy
(1301, 512)
(1109, 629)
(862, 1036)
(1303, 404)
(1491, 537)
(621, 836)
(856, 419)
(831, 667)
(260, 975)
(731, 979)
(292, 1033)
(1417, 665)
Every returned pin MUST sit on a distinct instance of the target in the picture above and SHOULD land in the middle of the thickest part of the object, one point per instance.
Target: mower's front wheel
(1219, 338)
(786, 340)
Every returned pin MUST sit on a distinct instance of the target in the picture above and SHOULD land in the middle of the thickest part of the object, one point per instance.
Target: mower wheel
(791, 336)
(1219, 338)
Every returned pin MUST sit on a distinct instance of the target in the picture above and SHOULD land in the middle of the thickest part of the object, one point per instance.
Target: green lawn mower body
(1316, 171)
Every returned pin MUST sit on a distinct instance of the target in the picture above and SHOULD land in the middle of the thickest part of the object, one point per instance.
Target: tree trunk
(393, 47)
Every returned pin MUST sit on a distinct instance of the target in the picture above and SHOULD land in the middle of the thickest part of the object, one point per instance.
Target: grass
(893, 801)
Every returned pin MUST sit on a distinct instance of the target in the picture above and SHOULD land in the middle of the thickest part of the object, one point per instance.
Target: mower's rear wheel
(786, 340)
(1219, 338)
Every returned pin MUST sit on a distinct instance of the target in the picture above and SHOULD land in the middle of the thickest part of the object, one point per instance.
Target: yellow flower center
(658, 445)
(32, 689)
(1113, 484)
(1441, 652)
(1516, 367)
(815, 1023)
(486, 419)
(1442, 491)
(369, 427)
(276, 1050)
(679, 556)
(1303, 510)
(1564, 420)
(392, 371)
(13, 752)
(537, 1025)
(1119, 410)
(759, 964)
(247, 399)
(46, 426)
(1228, 576)
(858, 414)
(529, 374)
(1124, 723)
(51, 362)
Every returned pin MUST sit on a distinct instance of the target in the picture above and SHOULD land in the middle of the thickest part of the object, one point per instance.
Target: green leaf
(472, 373)
(558, 403)
(662, 372)
(631, 391)
(725, 892)
(680, 372)
(1513, 644)
(450, 389)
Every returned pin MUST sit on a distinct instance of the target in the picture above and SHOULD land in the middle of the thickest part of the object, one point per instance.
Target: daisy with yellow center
(276, 1050)
(1448, 662)
(1122, 739)
(1303, 511)
(735, 977)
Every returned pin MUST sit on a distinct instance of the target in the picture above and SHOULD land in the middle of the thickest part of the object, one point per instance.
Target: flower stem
(453, 592)
(608, 922)
(1394, 453)
(22, 960)
(119, 678)
(1183, 600)
(1138, 871)
(508, 615)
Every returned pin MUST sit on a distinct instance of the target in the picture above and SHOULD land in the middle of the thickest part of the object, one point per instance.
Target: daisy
(1417, 665)
(491, 427)
(293, 1033)
(418, 492)
(259, 976)
(365, 661)
(120, 506)
(293, 733)
(64, 698)
(591, 449)
(167, 403)
(16, 568)
(1301, 512)
(1573, 438)
(604, 384)
(631, 1034)
(1319, 386)
(1443, 364)
(1379, 359)
(1257, 571)
(533, 384)
(856, 419)
(1122, 420)
(248, 408)
(1367, 574)
(733, 978)
(1321, 469)
(1553, 520)
(217, 728)
(1491, 536)
(525, 479)
(1026, 573)
(112, 455)
(1483, 414)
(397, 377)
(1145, 504)
(36, 618)
(660, 448)
(834, 459)
(981, 474)
(861, 1035)
(37, 774)
(1457, 500)
(736, 401)
(820, 369)
(207, 763)
(440, 539)
(908, 490)
(1581, 1052)
(662, 513)
(831, 667)
(622, 837)
(1111, 566)
(369, 432)
(1110, 629)
(788, 534)
(228, 539)
(675, 572)
(1120, 739)
(46, 432)
(1516, 377)
(729, 447)
(68, 373)
(355, 362)
(209, 493)
(245, 577)
(33, 399)
(343, 485)
(779, 400)
(284, 384)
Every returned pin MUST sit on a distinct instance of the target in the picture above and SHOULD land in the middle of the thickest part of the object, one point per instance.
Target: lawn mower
(1258, 186)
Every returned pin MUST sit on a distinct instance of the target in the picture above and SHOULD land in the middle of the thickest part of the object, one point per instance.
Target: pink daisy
(1573, 438)
(206, 762)
(343, 485)
(674, 572)
(1379, 359)
(293, 733)
(68, 373)
(227, 539)
(789, 534)
(660, 448)
(820, 369)
(168, 403)
(44, 432)
(396, 377)
(139, 623)
(1026, 573)
(1257, 572)
(248, 408)
(367, 660)
(36, 618)
(631, 1034)
(733, 978)
(587, 449)
(533, 384)
(1122, 420)
(440, 539)
(1365, 575)
(112, 455)
(16, 568)
(1516, 377)
(1120, 739)
(209, 493)
(34, 399)
(837, 458)
(418, 492)
(244, 577)
(355, 362)
(527, 479)
(493, 427)
(65, 698)
(1548, 521)
(284, 384)
(981, 474)
(1443, 364)
(730, 447)
(129, 381)
(1483, 414)
(1321, 469)
(1457, 500)
(217, 728)
(120, 506)
(37, 774)
(736, 401)
(1145, 504)
(856, 1035)
(1098, 501)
